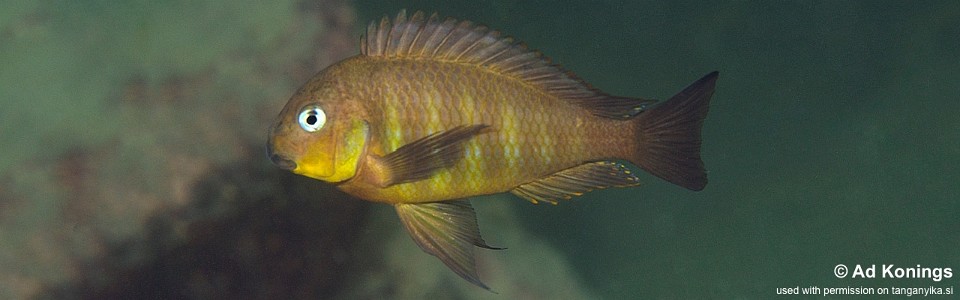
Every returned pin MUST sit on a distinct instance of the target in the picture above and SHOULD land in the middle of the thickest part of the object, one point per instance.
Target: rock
(248, 231)
(126, 119)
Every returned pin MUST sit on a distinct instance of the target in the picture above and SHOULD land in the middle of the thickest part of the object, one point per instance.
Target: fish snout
(280, 160)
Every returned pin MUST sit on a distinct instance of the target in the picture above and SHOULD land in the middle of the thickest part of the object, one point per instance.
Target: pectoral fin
(576, 181)
(447, 230)
(421, 158)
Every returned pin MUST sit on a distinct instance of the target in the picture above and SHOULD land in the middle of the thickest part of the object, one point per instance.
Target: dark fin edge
(449, 231)
(575, 181)
(452, 40)
(420, 159)
(669, 135)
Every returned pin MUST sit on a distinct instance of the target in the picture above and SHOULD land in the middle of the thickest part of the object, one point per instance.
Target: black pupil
(312, 119)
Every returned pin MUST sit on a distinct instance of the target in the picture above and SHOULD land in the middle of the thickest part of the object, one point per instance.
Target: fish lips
(279, 160)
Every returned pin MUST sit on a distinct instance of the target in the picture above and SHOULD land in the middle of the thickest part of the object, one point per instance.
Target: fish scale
(491, 99)
(434, 111)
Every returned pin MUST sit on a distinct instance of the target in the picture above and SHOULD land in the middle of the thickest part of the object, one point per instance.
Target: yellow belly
(532, 134)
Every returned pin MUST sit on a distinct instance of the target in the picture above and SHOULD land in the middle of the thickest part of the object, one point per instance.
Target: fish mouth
(279, 160)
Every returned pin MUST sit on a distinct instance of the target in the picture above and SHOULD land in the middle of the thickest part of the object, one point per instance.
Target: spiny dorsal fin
(576, 181)
(464, 42)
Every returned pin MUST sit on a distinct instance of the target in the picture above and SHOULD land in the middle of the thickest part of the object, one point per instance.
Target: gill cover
(335, 155)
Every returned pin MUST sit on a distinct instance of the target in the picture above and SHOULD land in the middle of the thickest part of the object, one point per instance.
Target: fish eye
(312, 118)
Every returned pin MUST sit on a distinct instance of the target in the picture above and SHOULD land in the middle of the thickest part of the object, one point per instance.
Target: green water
(833, 137)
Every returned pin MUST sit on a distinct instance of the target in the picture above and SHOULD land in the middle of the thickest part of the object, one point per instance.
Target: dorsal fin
(464, 42)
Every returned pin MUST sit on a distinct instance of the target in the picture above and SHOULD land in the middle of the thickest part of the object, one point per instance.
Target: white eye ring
(312, 118)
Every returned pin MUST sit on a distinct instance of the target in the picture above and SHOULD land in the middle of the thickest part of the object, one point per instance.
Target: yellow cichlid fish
(434, 111)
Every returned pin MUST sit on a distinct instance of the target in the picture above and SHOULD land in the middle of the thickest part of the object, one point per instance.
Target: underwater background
(133, 157)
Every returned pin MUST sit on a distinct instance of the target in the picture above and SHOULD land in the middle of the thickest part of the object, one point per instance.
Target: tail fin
(669, 135)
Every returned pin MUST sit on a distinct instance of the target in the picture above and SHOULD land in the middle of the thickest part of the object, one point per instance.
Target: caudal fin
(669, 135)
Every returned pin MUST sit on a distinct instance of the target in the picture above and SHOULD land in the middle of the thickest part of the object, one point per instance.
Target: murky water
(833, 137)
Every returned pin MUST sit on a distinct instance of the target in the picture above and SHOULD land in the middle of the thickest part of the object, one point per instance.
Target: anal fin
(576, 181)
(447, 230)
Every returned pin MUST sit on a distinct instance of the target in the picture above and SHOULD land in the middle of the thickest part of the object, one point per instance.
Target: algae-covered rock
(248, 231)
(117, 117)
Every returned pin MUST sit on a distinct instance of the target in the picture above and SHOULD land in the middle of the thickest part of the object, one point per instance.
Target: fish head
(318, 134)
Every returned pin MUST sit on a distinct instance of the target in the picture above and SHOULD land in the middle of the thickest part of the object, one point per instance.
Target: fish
(435, 110)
